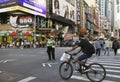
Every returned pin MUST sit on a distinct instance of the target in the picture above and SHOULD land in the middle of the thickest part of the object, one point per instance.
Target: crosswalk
(111, 64)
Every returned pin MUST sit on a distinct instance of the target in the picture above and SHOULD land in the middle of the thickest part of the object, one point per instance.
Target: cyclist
(86, 47)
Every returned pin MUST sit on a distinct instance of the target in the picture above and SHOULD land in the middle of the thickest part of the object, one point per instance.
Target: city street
(32, 65)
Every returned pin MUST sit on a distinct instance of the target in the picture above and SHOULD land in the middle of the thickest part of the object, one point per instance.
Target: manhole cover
(7, 77)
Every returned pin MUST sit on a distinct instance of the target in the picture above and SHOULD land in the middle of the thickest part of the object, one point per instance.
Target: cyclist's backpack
(92, 48)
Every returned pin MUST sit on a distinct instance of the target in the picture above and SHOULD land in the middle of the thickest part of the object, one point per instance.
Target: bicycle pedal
(87, 70)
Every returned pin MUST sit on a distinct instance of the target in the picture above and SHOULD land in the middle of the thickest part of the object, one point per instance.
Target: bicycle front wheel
(65, 70)
(96, 73)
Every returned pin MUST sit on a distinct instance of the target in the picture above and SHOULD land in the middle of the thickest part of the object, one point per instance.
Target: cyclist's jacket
(86, 47)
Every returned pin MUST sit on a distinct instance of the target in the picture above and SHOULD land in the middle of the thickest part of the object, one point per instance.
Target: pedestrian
(115, 46)
(107, 47)
(51, 48)
(102, 43)
(97, 45)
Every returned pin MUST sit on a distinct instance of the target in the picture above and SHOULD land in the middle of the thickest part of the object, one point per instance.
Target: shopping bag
(65, 57)
(118, 51)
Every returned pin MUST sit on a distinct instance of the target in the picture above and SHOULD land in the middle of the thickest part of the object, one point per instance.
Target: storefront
(18, 19)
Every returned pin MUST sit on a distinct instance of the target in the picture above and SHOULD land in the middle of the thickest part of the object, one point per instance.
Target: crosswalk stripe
(85, 79)
(114, 64)
(27, 79)
(111, 67)
(113, 76)
(117, 62)
(115, 71)
(107, 66)
(108, 70)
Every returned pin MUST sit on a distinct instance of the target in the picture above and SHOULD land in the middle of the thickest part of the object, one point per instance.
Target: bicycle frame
(81, 65)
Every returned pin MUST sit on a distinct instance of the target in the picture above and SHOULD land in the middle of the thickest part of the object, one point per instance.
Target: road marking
(113, 67)
(108, 70)
(85, 79)
(111, 75)
(105, 61)
(43, 64)
(114, 64)
(108, 66)
(1, 71)
(27, 79)
(7, 60)
(48, 64)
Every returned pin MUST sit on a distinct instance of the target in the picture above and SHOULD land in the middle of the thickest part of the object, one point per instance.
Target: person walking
(107, 47)
(51, 48)
(115, 46)
(97, 45)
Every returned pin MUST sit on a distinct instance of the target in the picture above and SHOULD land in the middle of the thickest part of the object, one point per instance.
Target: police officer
(51, 48)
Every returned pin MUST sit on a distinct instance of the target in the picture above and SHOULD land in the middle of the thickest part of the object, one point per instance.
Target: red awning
(14, 34)
(27, 34)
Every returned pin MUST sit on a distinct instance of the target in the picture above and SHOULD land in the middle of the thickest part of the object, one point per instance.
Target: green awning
(2, 34)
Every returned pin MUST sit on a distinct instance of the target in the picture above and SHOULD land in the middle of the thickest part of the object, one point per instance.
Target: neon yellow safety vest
(51, 43)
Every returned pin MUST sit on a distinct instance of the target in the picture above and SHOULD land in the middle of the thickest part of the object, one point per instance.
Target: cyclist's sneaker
(86, 70)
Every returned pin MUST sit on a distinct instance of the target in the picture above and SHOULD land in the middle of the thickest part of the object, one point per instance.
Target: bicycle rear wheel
(65, 70)
(96, 73)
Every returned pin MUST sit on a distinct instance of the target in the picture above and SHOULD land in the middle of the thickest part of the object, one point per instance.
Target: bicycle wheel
(96, 73)
(65, 70)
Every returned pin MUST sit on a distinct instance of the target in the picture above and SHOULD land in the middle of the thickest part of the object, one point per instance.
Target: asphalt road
(32, 65)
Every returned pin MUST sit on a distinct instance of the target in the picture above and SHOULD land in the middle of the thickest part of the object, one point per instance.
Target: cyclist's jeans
(83, 56)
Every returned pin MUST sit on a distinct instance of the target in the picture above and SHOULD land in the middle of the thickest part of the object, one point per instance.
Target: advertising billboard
(7, 3)
(36, 5)
(65, 8)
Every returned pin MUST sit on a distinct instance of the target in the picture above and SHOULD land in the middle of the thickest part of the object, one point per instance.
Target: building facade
(18, 19)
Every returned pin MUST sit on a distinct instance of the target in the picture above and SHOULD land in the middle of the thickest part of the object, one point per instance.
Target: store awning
(27, 34)
(14, 34)
(2, 34)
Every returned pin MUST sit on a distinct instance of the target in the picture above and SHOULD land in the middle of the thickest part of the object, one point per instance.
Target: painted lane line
(27, 79)
(106, 63)
(7, 60)
(85, 79)
(49, 65)
(43, 64)
(114, 76)
(108, 70)
(113, 67)
(1, 61)
(110, 67)
(1, 71)
(101, 61)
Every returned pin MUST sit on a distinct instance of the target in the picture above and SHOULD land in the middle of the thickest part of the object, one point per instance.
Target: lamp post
(34, 28)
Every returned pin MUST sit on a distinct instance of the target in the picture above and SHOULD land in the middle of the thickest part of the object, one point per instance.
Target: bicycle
(95, 72)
